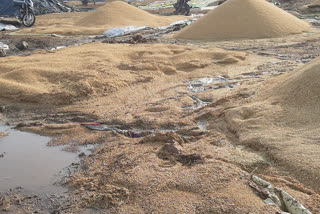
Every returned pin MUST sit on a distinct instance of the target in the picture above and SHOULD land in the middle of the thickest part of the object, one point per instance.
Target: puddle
(256, 74)
(273, 69)
(196, 104)
(86, 9)
(304, 61)
(202, 124)
(28, 163)
(201, 85)
(314, 22)
(132, 133)
(58, 48)
(77, 44)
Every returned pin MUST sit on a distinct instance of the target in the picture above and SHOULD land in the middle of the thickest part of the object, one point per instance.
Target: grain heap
(96, 69)
(115, 14)
(244, 19)
(299, 92)
(119, 14)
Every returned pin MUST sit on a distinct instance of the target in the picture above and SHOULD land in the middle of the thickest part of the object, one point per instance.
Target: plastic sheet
(169, 3)
(50, 6)
(279, 197)
(7, 27)
(8, 8)
(114, 32)
(4, 46)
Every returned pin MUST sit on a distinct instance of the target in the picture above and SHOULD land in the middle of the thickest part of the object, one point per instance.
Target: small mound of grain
(244, 19)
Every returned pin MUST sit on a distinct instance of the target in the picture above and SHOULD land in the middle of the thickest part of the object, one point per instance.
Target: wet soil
(39, 42)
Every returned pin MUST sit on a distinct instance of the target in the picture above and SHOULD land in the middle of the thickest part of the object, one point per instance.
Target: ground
(171, 144)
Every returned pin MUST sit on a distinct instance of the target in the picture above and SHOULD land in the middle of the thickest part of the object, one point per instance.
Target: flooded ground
(27, 162)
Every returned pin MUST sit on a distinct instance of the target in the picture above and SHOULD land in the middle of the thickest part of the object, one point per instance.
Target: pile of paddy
(244, 19)
(115, 14)
(118, 14)
(93, 70)
(298, 92)
(283, 119)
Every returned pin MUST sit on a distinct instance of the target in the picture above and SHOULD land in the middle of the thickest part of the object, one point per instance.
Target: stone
(3, 53)
(22, 45)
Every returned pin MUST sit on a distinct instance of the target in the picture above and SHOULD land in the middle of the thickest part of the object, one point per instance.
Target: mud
(132, 133)
(38, 42)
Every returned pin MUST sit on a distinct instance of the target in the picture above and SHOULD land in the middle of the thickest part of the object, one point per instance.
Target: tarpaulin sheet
(7, 27)
(50, 6)
(169, 3)
(8, 8)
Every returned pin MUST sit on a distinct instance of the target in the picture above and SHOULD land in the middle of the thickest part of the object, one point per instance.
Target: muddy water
(202, 124)
(201, 85)
(26, 161)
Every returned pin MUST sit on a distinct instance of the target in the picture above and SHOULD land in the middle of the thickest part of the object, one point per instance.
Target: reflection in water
(27, 162)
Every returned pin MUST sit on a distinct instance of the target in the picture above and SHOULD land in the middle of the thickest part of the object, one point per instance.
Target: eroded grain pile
(64, 77)
(244, 19)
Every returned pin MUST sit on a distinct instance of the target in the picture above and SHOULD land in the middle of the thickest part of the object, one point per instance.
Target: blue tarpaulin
(8, 8)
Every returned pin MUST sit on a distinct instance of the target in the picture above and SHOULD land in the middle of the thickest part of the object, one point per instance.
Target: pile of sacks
(50, 6)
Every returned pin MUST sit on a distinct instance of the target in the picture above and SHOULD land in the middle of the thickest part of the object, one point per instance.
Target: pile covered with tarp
(50, 6)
